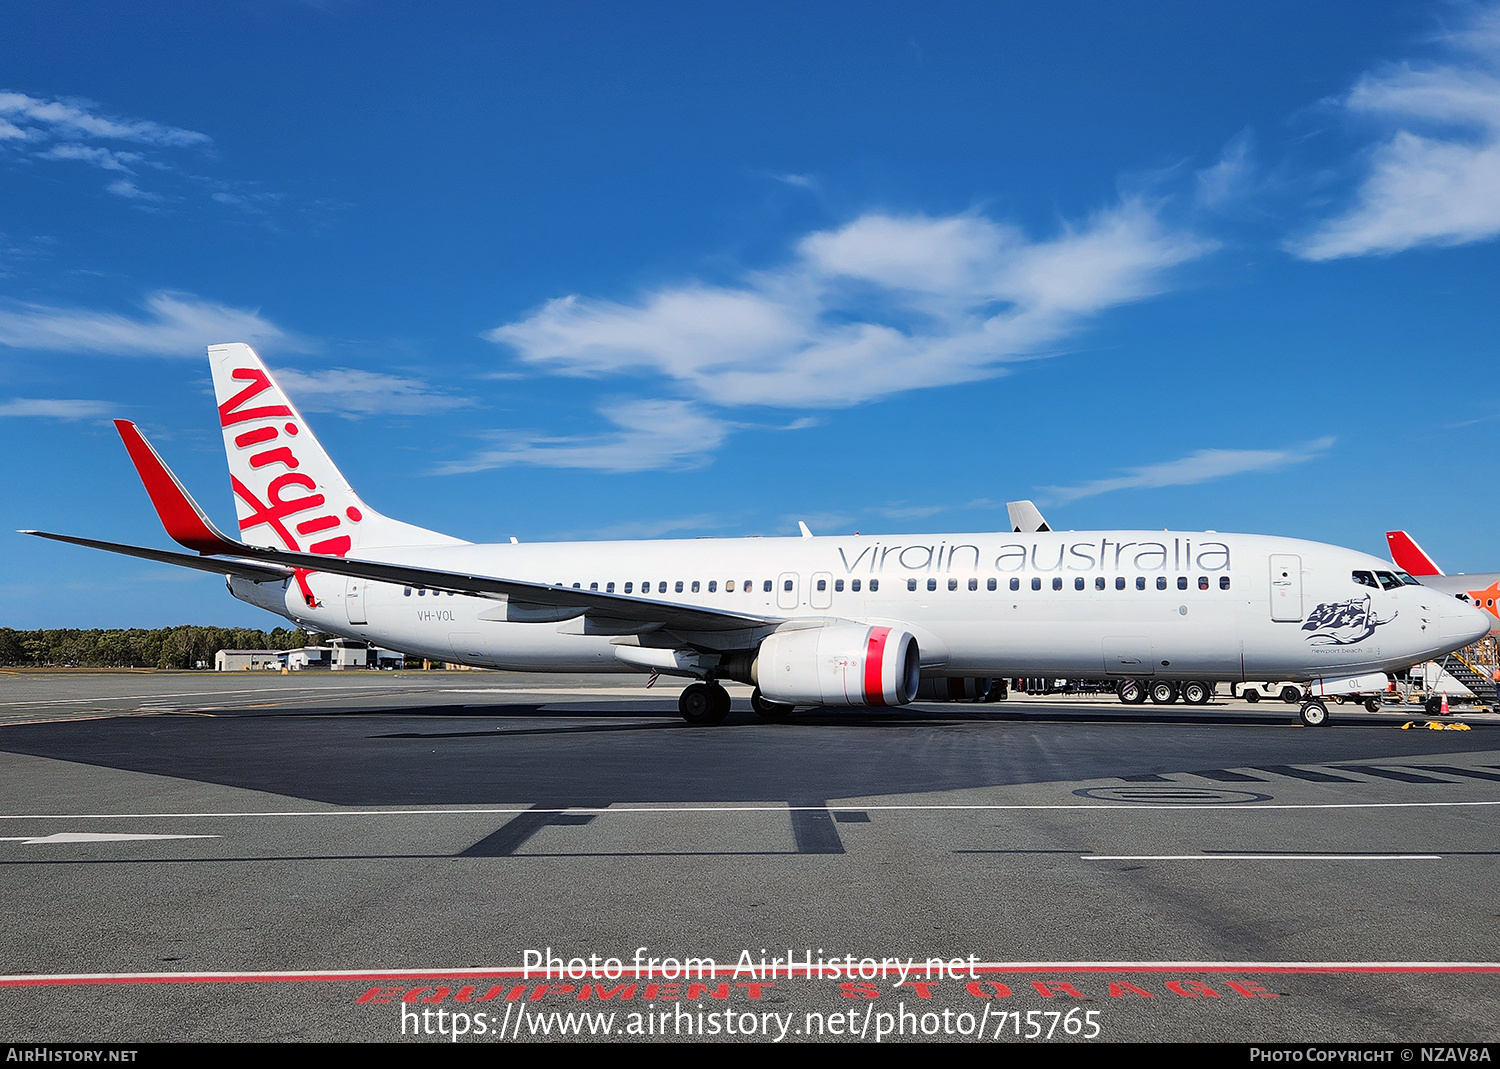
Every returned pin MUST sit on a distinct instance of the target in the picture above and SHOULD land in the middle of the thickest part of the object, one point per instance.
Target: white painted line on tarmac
(1262, 857)
(93, 837)
(644, 971)
(669, 810)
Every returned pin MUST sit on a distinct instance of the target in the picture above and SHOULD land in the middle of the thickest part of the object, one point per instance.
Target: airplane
(846, 621)
(1480, 589)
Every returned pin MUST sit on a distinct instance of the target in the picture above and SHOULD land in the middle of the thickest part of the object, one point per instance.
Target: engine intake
(841, 664)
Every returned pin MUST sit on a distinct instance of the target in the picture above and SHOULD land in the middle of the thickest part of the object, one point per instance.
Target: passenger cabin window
(1015, 584)
(932, 584)
(974, 584)
(1036, 584)
(1078, 583)
(1057, 583)
(1119, 582)
(661, 588)
(1161, 582)
(1140, 582)
(822, 585)
(406, 593)
(629, 587)
(750, 586)
(1203, 582)
(838, 586)
(1223, 582)
(767, 586)
(874, 585)
(1365, 579)
(1387, 580)
(787, 585)
(729, 586)
(678, 588)
(695, 586)
(577, 586)
(713, 586)
(1182, 582)
(990, 584)
(911, 584)
(593, 586)
(952, 584)
(609, 588)
(854, 585)
(1099, 583)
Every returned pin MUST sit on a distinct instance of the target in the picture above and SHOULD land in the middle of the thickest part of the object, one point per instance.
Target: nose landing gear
(1313, 714)
(704, 703)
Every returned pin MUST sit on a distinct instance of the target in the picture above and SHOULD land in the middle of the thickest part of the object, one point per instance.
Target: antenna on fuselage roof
(803, 528)
(1025, 517)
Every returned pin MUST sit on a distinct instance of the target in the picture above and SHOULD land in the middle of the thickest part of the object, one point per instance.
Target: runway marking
(645, 972)
(861, 807)
(94, 837)
(1261, 857)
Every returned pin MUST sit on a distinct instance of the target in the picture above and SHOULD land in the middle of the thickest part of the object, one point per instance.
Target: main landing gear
(704, 703)
(1131, 691)
(776, 712)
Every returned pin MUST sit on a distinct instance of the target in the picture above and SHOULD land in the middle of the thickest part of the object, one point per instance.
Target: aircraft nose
(1464, 623)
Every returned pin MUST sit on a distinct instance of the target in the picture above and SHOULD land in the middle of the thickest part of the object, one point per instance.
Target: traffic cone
(1444, 710)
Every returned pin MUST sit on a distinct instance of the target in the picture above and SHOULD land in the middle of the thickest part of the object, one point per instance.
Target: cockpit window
(1388, 581)
(1366, 579)
(1407, 580)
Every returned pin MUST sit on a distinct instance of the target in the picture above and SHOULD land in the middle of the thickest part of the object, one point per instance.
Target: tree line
(164, 647)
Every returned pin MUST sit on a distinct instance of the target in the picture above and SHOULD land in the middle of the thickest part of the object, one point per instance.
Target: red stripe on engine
(874, 663)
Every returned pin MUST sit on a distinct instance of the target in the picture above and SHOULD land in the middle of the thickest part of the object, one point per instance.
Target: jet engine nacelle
(842, 664)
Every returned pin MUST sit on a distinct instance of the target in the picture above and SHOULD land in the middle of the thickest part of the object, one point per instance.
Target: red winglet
(179, 513)
(1409, 556)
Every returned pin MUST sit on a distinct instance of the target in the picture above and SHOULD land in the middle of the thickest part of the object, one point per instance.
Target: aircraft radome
(811, 621)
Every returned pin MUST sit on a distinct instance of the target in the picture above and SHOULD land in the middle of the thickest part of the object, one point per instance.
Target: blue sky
(597, 270)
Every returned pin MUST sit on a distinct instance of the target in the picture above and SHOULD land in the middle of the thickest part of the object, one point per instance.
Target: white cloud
(1229, 180)
(44, 408)
(351, 392)
(77, 131)
(651, 434)
(1199, 467)
(37, 118)
(882, 305)
(175, 324)
(1436, 179)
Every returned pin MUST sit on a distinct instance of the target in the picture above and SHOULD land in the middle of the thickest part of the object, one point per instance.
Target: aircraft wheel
(721, 703)
(1131, 691)
(1163, 692)
(1196, 693)
(1313, 714)
(775, 712)
(1291, 695)
(698, 705)
(1252, 696)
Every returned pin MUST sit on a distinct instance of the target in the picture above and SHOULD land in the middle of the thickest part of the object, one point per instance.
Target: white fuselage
(1209, 606)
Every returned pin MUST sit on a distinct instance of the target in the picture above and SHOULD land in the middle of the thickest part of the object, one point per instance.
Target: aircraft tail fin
(1025, 517)
(288, 493)
(1409, 556)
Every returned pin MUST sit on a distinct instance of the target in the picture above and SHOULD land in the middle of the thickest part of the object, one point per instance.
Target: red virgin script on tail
(278, 506)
